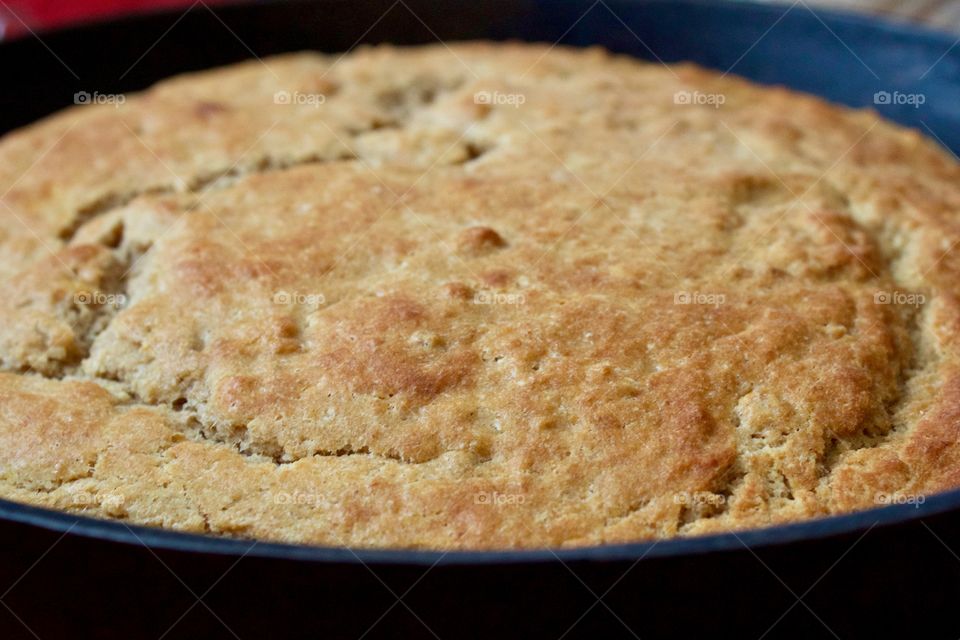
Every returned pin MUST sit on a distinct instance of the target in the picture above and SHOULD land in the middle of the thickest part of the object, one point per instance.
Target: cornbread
(475, 296)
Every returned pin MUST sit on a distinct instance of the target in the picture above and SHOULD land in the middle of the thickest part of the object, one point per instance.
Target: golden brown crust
(493, 296)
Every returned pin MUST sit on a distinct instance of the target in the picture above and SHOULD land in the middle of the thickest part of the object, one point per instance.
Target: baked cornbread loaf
(490, 295)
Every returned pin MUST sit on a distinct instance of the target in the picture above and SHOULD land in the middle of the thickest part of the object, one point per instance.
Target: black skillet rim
(752, 539)
(809, 530)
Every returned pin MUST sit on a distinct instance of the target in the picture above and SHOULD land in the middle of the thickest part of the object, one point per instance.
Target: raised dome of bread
(472, 297)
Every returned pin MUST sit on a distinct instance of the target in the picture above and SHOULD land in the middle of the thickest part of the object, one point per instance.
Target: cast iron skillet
(889, 570)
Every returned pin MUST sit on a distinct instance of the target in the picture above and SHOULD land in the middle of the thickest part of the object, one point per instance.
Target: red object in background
(20, 16)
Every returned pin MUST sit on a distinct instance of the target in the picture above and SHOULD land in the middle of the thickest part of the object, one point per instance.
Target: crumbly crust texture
(477, 296)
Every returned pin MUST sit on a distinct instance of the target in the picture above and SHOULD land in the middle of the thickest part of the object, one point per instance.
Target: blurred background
(21, 16)
(18, 17)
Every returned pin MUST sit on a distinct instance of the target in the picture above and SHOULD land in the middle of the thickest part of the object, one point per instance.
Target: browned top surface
(385, 313)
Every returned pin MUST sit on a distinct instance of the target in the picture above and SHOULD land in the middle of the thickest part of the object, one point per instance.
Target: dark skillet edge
(891, 24)
(818, 529)
(886, 23)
